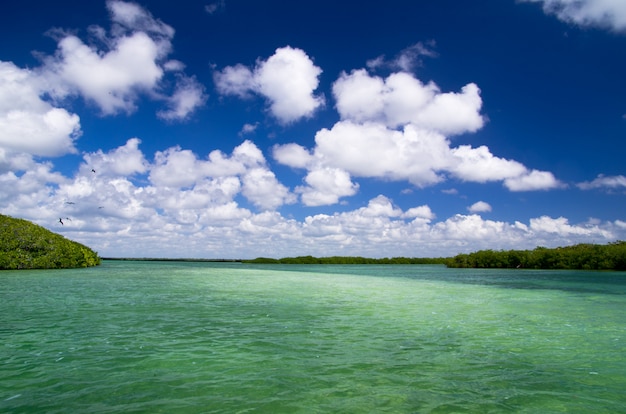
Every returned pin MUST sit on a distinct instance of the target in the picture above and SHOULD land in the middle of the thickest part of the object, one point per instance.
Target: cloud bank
(226, 203)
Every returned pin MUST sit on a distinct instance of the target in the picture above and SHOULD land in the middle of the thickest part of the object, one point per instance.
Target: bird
(70, 202)
(61, 221)
(93, 171)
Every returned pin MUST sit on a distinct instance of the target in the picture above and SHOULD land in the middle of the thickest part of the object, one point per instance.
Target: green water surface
(182, 337)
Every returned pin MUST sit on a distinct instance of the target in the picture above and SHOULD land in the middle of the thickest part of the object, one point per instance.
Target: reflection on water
(201, 337)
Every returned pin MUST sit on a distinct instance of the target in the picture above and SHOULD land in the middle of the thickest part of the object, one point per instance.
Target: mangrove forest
(25, 245)
(610, 256)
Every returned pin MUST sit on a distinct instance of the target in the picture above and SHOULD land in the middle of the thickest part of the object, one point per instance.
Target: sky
(240, 129)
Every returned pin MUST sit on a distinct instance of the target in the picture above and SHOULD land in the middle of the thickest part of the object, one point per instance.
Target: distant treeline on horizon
(611, 256)
(347, 260)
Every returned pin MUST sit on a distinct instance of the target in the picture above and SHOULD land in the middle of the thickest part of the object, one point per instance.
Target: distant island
(25, 245)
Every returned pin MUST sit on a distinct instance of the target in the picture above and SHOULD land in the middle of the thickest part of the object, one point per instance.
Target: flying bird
(93, 171)
(61, 221)
(70, 202)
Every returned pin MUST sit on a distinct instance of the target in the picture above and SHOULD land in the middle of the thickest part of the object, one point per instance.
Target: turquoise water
(173, 337)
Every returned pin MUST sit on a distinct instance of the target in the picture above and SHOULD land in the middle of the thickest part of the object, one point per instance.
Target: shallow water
(181, 337)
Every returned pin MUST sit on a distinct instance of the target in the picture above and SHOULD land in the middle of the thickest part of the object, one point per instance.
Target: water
(172, 337)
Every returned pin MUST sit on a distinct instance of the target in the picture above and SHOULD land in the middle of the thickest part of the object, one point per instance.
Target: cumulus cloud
(617, 182)
(126, 160)
(419, 156)
(326, 186)
(609, 14)
(130, 61)
(401, 98)
(561, 226)
(479, 207)
(533, 180)
(129, 206)
(421, 212)
(263, 189)
(397, 128)
(29, 124)
(480, 165)
(287, 79)
(176, 168)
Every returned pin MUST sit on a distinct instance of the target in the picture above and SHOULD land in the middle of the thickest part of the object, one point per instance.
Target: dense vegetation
(581, 256)
(346, 260)
(25, 245)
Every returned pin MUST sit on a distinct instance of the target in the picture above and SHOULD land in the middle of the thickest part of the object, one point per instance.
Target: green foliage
(25, 245)
(346, 260)
(611, 256)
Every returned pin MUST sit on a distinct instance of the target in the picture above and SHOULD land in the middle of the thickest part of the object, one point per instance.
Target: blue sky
(238, 129)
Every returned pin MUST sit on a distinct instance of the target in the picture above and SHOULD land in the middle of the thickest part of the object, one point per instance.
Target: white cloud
(187, 96)
(130, 63)
(235, 80)
(326, 186)
(263, 189)
(420, 156)
(132, 17)
(176, 168)
(287, 79)
(28, 123)
(372, 150)
(560, 226)
(111, 80)
(126, 160)
(180, 168)
(615, 182)
(422, 212)
(609, 14)
(119, 213)
(400, 99)
(293, 155)
(113, 73)
(479, 207)
(479, 165)
(533, 180)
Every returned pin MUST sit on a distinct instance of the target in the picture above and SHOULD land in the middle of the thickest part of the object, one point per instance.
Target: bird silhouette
(93, 171)
(61, 221)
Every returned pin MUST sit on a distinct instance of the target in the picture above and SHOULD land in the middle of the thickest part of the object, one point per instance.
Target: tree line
(611, 256)
(25, 245)
(346, 260)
